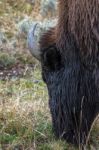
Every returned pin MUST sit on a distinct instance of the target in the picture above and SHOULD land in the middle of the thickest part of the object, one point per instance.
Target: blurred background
(16, 18)
(25, 122)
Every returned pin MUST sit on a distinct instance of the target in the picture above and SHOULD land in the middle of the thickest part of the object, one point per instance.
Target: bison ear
(51, 58)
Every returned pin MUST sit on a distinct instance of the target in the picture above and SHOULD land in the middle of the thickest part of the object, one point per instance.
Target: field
(25, 121)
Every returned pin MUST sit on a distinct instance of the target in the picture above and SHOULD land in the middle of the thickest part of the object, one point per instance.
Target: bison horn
(33, 45)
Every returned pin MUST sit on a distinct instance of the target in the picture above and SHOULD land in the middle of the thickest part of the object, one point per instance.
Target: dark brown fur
(70, 68)
(79, 17)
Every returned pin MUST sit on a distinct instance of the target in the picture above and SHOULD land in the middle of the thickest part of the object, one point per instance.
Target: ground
(25, 121)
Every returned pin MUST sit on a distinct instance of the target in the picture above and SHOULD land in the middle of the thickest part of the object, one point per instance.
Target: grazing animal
(69, 56)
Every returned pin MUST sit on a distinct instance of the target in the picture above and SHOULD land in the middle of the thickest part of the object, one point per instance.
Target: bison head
(73, 95)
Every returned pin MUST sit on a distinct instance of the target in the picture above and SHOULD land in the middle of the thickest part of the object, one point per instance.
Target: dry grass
(21, 112)
(11, 12)
(25, 122)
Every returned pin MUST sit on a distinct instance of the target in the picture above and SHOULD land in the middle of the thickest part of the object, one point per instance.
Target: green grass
(6, 60)
(25, 120)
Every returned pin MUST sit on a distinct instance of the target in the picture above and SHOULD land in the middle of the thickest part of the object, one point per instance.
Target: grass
(21, 112)
(5, 61)
(25, 120)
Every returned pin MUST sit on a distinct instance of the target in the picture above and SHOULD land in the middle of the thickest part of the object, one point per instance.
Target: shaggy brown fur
(81, 17)
(49, 38)
(70, 68)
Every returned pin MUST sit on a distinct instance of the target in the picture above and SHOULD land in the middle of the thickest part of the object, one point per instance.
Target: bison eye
(51, 58)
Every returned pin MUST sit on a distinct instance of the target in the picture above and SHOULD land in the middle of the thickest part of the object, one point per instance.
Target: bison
(69, 56)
